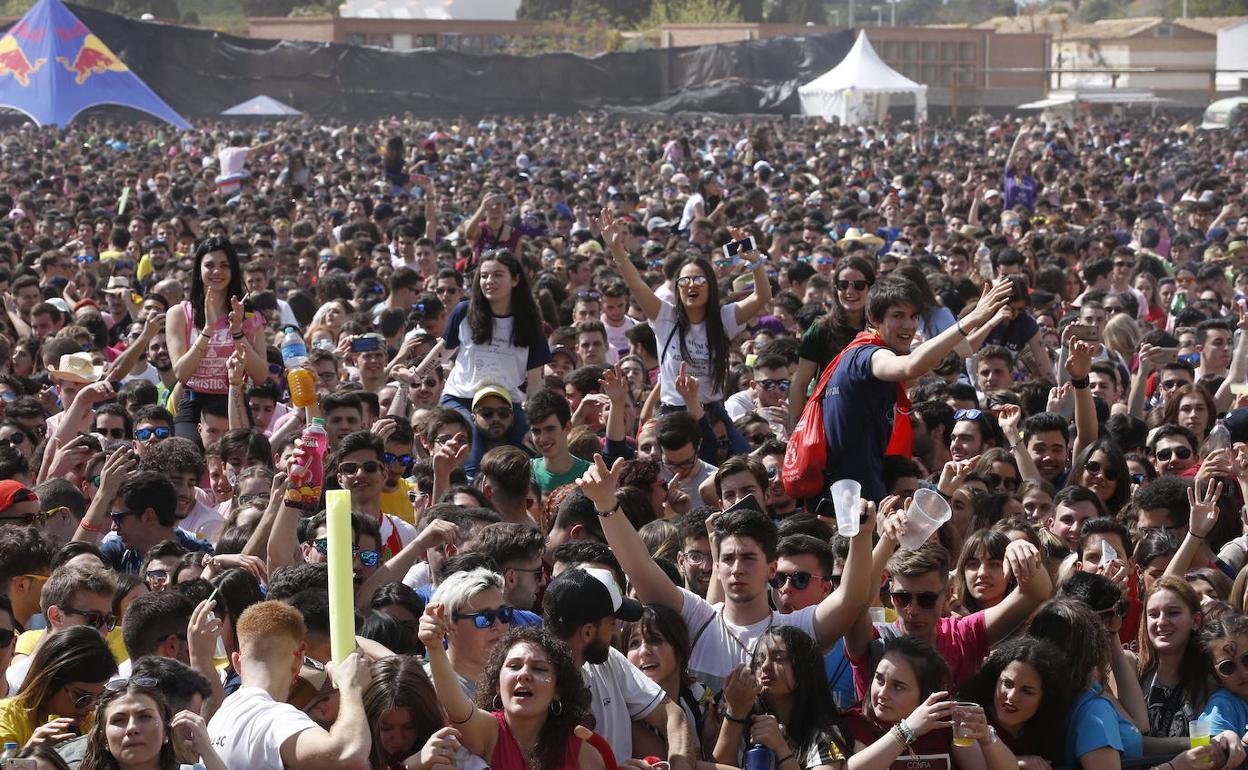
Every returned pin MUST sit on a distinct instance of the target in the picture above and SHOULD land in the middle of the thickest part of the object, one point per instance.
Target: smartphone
(1084, 332)
(1191, 358)
(733, 248)
(1167, 355)
(747, 503)
(13, 763)
(366, 344)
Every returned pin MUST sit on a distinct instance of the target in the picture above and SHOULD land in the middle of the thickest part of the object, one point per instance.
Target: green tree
(543, 10)
(691, 12)
(798, 12)
(268, 7)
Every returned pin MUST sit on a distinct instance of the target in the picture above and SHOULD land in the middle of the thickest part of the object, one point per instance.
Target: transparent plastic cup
(927, 511)
(846, 495)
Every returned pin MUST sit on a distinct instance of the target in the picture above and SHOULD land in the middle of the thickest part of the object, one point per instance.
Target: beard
(597, 652)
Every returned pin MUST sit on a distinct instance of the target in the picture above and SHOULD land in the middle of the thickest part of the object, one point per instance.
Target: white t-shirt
(739, 404)
(250, 728)
(720, 646)
(691, 210)
(699, 364)
(204, 522)
(617, 338)
(619, 693)
(148, 373)
(498, 362)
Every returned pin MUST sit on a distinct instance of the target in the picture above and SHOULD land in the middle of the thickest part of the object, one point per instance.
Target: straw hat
(870, 239)
(76, 367)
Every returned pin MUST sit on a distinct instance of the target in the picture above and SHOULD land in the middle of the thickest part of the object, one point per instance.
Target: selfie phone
(365, 344)
(1084, 332)
(1168, 355)
(13, 763)
(733, 248)
(1191, 358)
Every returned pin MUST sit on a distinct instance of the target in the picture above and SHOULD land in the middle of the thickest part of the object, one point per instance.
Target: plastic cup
(927, 511)
(962, 736)
(846, 495)
(1198, 733)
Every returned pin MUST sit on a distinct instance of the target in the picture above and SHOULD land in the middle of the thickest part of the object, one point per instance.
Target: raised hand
(236, 316)
(687, 385)
(1204, 506)
(614, 384)
(1079, 359)
(600, 482)
(433, 626)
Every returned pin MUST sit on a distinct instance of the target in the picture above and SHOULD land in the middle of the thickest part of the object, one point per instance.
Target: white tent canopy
(262, 105)
(856, 91)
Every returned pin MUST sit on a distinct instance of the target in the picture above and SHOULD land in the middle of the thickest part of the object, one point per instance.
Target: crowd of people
(587, 383)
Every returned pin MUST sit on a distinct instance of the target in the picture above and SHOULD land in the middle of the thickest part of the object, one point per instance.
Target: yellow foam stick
(341, 583)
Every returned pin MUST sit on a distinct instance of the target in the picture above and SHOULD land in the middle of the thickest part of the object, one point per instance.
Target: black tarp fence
(200, 73)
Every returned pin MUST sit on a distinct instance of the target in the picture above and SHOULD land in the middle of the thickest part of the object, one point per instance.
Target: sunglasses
(589, 295)
(119, 516)
(781, 385)
(7, 635)
(858, 285)
(156, 574)
(486, 618)
(691, 280)
(120, 683)
(1092, 466)
(15, 440)
(390, 458)
(143, 434)
(1227, 667)
(1119, 609)
(442, 291)
(367, 558)
(1181, 452)
(350, 469)
(1123, 263)
(112, 432)
(799, 580)
(1172, 384)
(997, 480)
(967, 414)
(490, 412)
(428, 382)
(84, 701)
(925, 599)
(101, 621)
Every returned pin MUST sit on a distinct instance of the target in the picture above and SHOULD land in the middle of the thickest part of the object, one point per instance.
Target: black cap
(587, 595)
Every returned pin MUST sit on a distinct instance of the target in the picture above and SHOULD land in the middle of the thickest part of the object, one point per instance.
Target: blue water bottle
(759, 757)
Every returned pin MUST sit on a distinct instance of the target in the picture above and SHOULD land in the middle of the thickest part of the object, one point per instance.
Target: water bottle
(984, 256)
(1178, 303)
(759, 757)
(1218, 438)
(294, 351)
(11, 751)
(304, 488)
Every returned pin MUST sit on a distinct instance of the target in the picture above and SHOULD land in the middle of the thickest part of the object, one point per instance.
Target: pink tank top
(210, 376)
(509, 756)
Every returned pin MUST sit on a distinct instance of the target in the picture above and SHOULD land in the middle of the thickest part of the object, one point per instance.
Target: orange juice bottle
(302, 385)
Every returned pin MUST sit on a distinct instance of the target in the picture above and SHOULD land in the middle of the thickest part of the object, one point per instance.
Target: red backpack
(806, 456)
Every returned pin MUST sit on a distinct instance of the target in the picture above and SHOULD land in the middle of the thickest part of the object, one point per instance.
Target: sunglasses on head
(1092, 466)
(590, 295)
(143, 434)
(1227, 667)
(799, 580)
(367, 558)
(967, 414)
(368, 466)
(1181, 452)
(486, 618)
(781, 385)
(390, 458)
(843, 285)
(490, 412)
(926, 599)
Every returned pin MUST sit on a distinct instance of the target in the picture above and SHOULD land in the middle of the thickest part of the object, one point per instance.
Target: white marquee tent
(857, 90)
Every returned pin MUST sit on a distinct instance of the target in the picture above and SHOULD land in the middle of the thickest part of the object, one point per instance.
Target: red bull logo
(93, 58)
(13, 61)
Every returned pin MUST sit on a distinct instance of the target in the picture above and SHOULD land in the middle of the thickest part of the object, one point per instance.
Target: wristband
(90, 528)
(605, 514)
(238, 336)
(906, 732)
(1080, 384)
(960, 329)
(897, 736)
(738, 720)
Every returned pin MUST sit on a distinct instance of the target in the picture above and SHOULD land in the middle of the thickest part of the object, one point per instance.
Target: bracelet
(960, 329)
(1080, 384)
(615, 508)
(1198, 537)
(897, 736)
(784, 759)
(738, 720)
(906, 732)
(238, 336)
(236, 384)
(90, 528)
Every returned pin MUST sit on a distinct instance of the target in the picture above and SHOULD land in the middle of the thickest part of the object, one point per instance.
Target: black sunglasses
(1227, 667)
(490, 412)
(112, 432)
(101, 621)
(6, 636)
(858, 285)
(1181, 452)
(350, 469)
(781, 385)
(926, 599)
(1092, 466)
(799, 580)
(486, 618)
